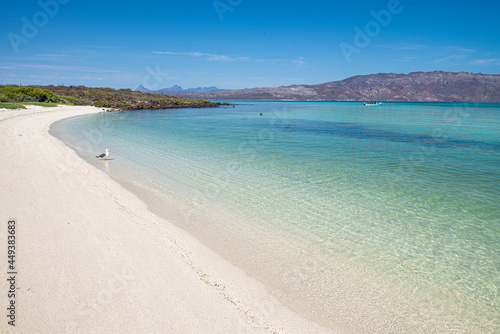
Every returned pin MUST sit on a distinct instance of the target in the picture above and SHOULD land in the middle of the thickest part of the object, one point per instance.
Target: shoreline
(316, 282)
(93, 257)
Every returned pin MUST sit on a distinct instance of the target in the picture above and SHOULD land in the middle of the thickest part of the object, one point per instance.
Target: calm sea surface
(367, 219)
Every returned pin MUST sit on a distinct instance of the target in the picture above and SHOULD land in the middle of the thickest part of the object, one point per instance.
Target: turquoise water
(373, 219)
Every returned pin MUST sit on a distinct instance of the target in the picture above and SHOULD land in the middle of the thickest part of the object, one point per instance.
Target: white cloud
(486, 61)
(412, 47)
(49, 55)
(408, 59)
(215, 57)
(457, 48)
(449, 58)
(57, 68)
(208, 56)
(402, 47)
(298, 62)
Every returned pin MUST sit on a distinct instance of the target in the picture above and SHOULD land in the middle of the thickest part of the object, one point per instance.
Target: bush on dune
(26, 94)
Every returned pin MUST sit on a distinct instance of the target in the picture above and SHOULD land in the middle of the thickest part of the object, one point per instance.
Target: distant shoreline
(105, 98)
(437, 86)
(361, 101)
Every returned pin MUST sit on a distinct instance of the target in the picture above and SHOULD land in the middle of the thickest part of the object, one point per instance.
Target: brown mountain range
(416, 86)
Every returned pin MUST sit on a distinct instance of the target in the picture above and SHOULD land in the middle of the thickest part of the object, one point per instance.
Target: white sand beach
(91, 258)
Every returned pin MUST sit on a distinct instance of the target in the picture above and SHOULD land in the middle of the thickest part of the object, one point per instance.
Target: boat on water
(372, 103)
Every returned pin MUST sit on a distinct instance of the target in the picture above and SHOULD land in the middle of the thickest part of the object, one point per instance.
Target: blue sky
(241, 43)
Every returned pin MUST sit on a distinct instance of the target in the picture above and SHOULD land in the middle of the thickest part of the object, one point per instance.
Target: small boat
(372, 103)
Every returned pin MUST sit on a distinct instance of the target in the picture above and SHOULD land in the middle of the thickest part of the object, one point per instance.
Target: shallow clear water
(379, 219)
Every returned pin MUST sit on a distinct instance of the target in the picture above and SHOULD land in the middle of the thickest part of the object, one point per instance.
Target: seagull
(104, 155)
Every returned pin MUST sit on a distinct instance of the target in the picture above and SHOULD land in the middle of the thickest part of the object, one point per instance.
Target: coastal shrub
(75, 100)
(98, 91)
(28, 94)
(103, 104)
(121, 105)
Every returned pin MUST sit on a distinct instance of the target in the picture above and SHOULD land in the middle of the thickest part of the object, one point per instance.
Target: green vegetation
(11, 105)
(21, 105)
(26, 94)
(45, 104)
(121, 99)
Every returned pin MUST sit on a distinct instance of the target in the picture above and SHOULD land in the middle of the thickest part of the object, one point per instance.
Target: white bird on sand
(104, 155)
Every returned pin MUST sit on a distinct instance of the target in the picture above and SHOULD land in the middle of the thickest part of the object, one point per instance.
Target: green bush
(103, 104)
(74, 100)
(28, 94)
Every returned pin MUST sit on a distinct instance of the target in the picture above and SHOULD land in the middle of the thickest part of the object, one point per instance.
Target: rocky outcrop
(116, 99)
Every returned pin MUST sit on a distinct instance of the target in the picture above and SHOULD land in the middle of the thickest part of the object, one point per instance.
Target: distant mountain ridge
(176, 90)
(434, 86)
